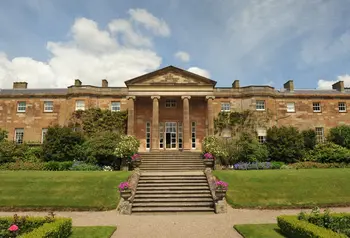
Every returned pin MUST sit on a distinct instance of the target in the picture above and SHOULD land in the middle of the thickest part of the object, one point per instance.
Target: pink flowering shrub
(123, 186)
(221, 185)
(13, 228)
(208, 156)
(135, 157)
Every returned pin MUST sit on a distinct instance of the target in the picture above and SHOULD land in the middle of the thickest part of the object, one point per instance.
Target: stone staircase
(171, 161)
(172, 182)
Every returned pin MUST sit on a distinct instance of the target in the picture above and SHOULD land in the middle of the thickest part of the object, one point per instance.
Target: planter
(125, 194)
(136, 163)
(220, 194)
(209, 163)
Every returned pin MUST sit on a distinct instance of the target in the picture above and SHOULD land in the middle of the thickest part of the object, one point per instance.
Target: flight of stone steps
(172, 192)
(171, 161)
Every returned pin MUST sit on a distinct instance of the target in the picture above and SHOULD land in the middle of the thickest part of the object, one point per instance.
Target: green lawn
(259, 230)
(66, 190)
(287, 188)
(92, 231)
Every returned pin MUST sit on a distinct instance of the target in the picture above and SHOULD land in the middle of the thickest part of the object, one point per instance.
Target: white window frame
(19, 135)
(316, 107)
(261, 135)
(170, 103)
(21, 106)
(79, 105)
(342, 106)
(47, 106)
(319, 134)
(115, 106)
(290, 107)
(260, 105)
(43, 134)
(225, 107)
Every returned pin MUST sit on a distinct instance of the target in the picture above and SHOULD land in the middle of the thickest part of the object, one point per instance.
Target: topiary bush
(328, 153)
(340, 135)
(285, 144)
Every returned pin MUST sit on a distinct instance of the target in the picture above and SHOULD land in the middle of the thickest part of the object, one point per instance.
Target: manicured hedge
(26, 224)
(292, 227)
(60, 228)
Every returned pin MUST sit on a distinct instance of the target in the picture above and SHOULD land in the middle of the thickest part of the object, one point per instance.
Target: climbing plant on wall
(96, 120)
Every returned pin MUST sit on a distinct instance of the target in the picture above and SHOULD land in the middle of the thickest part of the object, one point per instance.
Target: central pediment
(170, 76)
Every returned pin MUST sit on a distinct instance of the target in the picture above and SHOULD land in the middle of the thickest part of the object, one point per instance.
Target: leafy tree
(96, 120)
(63, 144)
(328, 153)
(285, 144)
(309, 139)
(100, 148)
(126, 146)
(10, 151)
(250, 150)
(340, 135)
(3, 135)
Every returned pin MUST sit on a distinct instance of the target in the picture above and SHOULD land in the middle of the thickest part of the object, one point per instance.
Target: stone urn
(220, 193)
(209, 163)
(136, 163)
(125, 194)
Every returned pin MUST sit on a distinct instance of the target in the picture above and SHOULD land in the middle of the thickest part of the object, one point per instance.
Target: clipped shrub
(340, 135)
(316, 165)
(62, 144)
(285, 144)
(217, 147)
(250, 150)
(126, 146)
(328, 153)
(21, 165)
(82, 166)
(33, 154)
(25, 223)
(59, 228)
(309, 137)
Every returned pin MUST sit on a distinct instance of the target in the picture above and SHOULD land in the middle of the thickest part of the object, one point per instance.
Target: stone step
(172, 192)
(168, 188)
(151, 181)
(172, 169)
(172, 195)
(143, 185)
(172, 209)
(173, 204)
(171, 161)
(171, 199)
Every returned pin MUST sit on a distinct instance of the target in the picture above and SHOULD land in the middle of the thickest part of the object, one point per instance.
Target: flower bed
(34, 227)
(257, 165)
(315, 225)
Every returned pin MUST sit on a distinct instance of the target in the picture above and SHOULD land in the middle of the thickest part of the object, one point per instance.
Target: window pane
(260, 105)
(115, 106)
(48, 106)
(19, 134)
(21, 106)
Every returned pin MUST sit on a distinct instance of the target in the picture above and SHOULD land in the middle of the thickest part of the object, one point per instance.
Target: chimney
(339, 86)
(20, 85)
(235, 84)
(77, 82)
(289, 85)
(104, 83)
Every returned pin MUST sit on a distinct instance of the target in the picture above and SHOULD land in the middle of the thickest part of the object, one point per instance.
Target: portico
(170, 109)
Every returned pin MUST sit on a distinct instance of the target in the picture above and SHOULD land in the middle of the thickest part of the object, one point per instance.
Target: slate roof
(28, 91)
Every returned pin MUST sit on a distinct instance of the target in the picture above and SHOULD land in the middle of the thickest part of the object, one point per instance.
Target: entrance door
(170, 135)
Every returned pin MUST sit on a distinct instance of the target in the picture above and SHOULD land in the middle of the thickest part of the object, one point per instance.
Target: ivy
(95, 120)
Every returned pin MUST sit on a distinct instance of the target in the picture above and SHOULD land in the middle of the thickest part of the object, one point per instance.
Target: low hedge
(316, 165)
(50, 166)
(25, 223)
(59, 228)
(291, 226)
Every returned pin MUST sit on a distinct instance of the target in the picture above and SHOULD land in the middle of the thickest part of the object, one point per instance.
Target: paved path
(173, 225)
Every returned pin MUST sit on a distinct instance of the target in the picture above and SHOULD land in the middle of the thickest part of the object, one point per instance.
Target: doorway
(170, 135)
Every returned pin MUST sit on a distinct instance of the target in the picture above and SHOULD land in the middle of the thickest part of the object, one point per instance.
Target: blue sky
(49, 43)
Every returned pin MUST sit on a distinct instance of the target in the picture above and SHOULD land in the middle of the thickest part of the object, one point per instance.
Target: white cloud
(183, 56)
(199, 71)
(117, 53)
(158, 26)
(327, 84)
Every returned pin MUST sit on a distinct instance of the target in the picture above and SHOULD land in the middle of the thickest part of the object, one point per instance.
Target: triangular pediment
(171, 76)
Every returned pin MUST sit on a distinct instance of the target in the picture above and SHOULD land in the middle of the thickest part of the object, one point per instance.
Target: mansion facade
(171, 109)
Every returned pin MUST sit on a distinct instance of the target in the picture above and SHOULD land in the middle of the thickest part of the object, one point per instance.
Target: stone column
(155, 124)
(186, 122)
(210, 118)
(131, 114)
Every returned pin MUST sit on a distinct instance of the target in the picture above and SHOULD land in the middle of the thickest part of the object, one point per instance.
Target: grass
(259, 230)
(287, 188)
(92, 231)
(66, 190)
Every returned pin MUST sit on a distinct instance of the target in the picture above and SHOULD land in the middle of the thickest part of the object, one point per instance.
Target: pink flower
(13, 228)
(208, 156)
(135, 156)
(221, 185)
(123, 186)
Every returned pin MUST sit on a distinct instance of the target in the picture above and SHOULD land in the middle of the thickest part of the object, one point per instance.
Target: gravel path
(173, 225)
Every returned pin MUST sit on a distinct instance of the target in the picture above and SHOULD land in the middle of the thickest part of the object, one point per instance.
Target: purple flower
(123, 186)
(208, 156)
(221, 185)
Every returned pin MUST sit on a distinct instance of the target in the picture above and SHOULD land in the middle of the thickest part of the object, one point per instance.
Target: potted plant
(221, 189)
(136, 160)
(208, 160)
(124, 189)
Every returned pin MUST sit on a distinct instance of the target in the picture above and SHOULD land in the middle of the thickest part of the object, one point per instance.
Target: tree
(3, 135)
(250, 150)
(63, 144)
(285, 144)
(96, 120)
(340, 135)
(309, 139)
